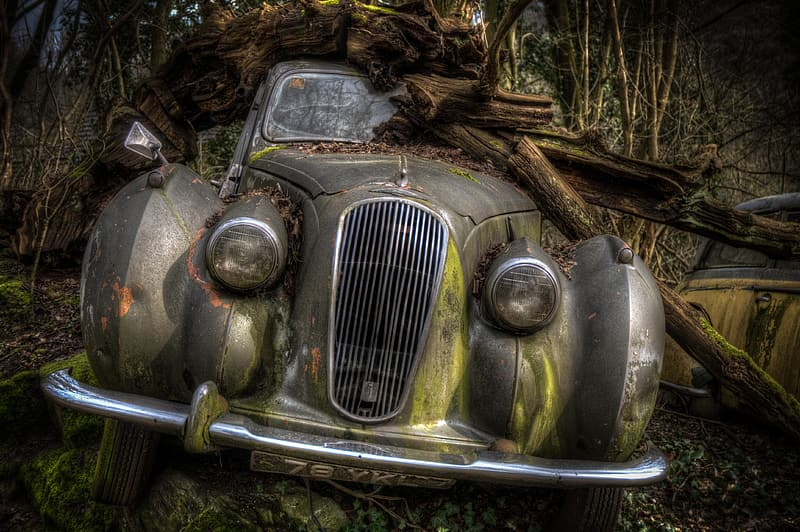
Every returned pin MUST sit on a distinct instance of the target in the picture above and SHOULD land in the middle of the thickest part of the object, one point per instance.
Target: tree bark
(158, 35)
(671, 195)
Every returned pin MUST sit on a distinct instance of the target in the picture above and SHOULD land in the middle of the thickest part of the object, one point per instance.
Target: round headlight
(521, 294)
(245, 253)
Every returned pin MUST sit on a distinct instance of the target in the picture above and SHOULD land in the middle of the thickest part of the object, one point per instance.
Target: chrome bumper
(234, 430)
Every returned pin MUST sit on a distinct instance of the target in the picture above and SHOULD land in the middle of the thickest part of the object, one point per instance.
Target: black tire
(588, 509)
(124, 463)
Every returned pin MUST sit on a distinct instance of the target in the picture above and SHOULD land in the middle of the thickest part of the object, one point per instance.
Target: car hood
(469, 193)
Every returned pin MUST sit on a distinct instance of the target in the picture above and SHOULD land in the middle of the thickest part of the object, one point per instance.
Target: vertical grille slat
(388, 267)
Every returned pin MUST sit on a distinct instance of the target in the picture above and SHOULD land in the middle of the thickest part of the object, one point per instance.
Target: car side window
(723, 256)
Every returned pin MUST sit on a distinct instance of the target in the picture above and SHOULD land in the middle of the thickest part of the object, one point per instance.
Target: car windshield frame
(326, 106)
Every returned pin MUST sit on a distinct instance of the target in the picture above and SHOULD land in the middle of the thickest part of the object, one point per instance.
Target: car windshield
(324, 106)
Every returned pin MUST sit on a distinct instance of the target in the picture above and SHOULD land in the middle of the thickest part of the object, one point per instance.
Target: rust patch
(194, 274)
(104, 323)
(124, 299)
(316, 358)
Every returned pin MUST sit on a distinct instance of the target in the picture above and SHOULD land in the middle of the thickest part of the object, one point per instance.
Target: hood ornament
(402, 180)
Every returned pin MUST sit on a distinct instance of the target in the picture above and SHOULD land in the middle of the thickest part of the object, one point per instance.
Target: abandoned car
(753, 301)
(410, 331)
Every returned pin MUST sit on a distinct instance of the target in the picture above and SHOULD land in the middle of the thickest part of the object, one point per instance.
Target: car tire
(124, 463)
(589, 509)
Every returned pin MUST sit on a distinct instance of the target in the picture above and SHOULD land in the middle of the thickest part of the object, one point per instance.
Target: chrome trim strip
(234, 430)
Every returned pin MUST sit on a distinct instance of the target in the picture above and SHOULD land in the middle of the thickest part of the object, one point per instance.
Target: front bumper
(234, 430)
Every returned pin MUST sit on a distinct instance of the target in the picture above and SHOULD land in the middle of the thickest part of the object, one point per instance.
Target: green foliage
(216, 153)
(60, 483)
(368, 517)
(21, 402)
(714, 479)
(219, 520)
(14, 297)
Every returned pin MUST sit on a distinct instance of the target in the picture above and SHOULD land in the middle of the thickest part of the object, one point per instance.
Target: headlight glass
(522, 294)
(245, 253)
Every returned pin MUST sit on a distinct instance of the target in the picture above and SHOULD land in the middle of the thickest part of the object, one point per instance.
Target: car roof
(779, 202)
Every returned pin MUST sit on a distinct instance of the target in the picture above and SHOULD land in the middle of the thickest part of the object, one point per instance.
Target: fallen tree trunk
(668, 194)
(212, 77)
(733, 367)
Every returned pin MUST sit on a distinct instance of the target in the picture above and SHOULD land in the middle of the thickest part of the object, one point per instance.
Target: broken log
(211, 78)
(733, 367)
(667, 194)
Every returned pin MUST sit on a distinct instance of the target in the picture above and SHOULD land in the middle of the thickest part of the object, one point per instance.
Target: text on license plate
(274, 463)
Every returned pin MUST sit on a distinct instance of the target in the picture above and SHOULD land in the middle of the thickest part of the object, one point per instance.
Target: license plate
(274, 463)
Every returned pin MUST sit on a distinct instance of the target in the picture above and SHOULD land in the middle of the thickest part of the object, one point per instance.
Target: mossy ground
(59, 481)
(14, 296)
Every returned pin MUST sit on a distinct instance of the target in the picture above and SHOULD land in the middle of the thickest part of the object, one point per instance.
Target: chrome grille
(387, 271)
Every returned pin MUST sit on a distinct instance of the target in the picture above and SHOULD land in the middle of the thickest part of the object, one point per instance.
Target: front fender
(153, 320)
(621, 316)
(587, 383)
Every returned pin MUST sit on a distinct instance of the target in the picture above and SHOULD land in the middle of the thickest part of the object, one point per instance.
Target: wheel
(589, 509)
(124, 463)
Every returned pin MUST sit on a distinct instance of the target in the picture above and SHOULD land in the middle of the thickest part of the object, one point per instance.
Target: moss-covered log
(211, 78)
(668, 194)
(734, 368)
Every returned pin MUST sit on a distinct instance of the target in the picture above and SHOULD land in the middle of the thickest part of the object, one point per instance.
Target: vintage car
(753, 301)
(410, 332)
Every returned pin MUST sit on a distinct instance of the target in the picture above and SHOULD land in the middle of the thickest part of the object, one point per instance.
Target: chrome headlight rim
(272, 237)
(490, 299)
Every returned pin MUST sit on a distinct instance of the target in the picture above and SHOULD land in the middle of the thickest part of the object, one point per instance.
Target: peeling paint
(316, 359)
(124, 299)
(194, 274)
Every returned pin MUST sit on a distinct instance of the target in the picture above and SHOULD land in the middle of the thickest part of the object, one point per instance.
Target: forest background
(655, 79)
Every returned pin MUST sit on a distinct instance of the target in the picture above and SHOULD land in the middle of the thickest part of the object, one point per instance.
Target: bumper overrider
(207, 424)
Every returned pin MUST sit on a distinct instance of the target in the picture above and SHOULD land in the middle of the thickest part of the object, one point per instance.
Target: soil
(725, 475)
(49, 328)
